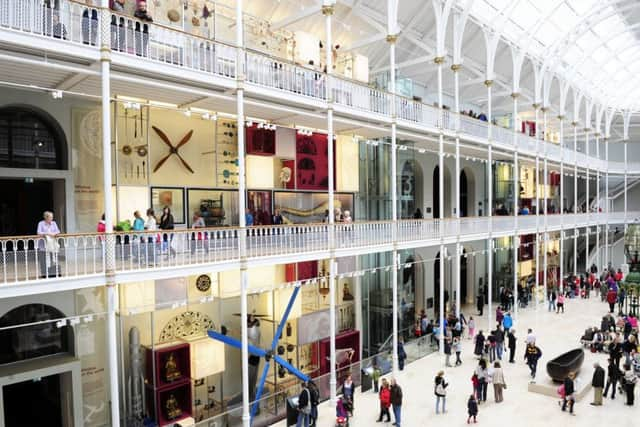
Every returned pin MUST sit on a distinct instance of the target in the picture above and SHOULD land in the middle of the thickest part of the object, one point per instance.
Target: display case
(170, 404)
(167, 365)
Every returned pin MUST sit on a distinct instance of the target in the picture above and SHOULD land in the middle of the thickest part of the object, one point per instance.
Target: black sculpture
(559, 368)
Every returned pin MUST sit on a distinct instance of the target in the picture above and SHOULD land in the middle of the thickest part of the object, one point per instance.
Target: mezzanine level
(77, 261)
(44, 46)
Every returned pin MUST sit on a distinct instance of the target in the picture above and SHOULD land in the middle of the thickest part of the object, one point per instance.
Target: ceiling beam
(297, 17)
(71, 81)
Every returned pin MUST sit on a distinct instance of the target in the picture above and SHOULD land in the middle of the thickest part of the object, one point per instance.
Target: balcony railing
(360, 96)
(32, 258)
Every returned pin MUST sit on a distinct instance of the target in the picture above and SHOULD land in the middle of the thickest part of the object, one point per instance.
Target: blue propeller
(268, 355)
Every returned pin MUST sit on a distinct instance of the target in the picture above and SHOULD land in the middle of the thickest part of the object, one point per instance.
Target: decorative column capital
(535, 105)
(561, 117)
(456, 67)
(327, 10)
(515, 95)
(488, 83)
(574, 124)
(392, 38)
(544, 109)
(439, 60)
(587, 129)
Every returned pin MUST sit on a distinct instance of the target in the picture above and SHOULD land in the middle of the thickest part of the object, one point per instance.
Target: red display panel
(260, 142)
(312, 162)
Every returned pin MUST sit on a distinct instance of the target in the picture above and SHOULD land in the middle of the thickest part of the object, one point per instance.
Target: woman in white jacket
(497, 378)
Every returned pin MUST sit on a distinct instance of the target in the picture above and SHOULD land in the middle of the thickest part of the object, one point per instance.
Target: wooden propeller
(172, 149)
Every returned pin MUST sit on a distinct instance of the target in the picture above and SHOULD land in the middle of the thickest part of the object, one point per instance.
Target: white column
(606, 201)
(626, 168)
(598, 251)
(391, 39)
(575, 197)
(516, 196)
(327, 11)
(545, 194)
(458, 253)
(588, 229)
(488, 84)
(110, 250)
(244, 280)
(561, 119)
(439, 61)
(537, 187)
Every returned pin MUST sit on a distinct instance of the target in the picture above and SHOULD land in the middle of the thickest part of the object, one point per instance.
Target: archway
(463, 276)
(464, 196)
(436, 285)
(30, 139)
(42, 386)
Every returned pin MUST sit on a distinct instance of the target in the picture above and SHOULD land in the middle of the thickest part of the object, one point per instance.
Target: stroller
(343, 408)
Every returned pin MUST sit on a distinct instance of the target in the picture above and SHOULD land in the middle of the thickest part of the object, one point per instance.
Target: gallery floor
(555, 333)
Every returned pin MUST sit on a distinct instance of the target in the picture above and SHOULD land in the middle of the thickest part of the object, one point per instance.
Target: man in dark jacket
(613, 374)
(532, 354)
(304, 406)
(396, 401)
(480, 302)
(512, 345)
(597, 382)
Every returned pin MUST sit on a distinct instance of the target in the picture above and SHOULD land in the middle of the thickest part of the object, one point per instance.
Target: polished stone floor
(556, 333)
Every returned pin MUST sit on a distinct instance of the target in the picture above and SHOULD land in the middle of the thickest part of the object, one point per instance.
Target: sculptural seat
(571, 361)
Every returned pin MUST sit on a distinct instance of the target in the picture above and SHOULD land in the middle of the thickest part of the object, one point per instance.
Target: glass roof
(602, 56)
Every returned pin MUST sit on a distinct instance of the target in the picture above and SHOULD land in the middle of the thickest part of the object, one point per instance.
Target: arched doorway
(436, 287)
(464, 202)
(30, 139)
(38, 386)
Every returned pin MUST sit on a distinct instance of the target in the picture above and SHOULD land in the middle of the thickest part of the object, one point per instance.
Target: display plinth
(550, 388)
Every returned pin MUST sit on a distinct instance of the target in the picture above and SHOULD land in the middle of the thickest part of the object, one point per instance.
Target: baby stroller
(342, 412)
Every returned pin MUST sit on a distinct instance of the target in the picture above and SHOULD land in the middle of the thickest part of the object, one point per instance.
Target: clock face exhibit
(203, 283)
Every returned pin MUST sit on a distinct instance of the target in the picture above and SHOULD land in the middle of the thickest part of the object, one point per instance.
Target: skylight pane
(582, 6)
(525, 15)
(564, 17)
(547, 33)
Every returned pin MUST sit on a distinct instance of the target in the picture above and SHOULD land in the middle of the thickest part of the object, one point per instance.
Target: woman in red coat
(385, 400)
(612, 297)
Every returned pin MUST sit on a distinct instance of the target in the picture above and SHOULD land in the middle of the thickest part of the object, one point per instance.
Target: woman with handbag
(497, 378)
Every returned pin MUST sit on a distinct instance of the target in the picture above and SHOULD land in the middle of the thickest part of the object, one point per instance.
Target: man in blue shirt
(248, 218)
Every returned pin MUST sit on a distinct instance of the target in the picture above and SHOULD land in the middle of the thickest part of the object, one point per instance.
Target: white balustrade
(278, 74)
(68, 20)
(360, 96)
(502, 135)
(473, 126)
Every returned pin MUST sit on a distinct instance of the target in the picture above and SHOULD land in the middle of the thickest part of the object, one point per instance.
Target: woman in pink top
(560, 302)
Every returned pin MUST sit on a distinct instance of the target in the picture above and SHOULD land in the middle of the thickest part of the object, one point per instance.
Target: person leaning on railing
(48, 246)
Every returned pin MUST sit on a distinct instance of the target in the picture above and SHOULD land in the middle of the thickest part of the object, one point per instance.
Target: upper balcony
(69, 33)
(76, 261)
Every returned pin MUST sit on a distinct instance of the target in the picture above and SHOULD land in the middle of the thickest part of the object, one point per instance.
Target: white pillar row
(110, 248)
(391, 39)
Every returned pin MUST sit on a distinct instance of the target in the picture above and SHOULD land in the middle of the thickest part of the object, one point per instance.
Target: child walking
(472, 408)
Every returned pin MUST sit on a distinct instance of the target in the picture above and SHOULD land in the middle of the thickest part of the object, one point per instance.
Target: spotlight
(56, 94)
(206, 116)
(187, 113)
(249, 123)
